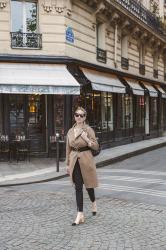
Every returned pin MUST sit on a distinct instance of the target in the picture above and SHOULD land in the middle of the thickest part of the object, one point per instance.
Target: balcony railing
(26, 40)
(101, 55)
(138, 10)
(124, 63)
(142, 69)
(155, 73)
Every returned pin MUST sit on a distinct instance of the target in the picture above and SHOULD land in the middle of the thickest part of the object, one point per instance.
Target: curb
(129, 155)
(98, 165)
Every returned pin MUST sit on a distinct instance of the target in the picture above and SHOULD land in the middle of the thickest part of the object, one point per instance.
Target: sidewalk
(44, 169)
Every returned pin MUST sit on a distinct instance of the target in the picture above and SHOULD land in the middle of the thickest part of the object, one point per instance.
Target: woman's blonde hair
(82, 109)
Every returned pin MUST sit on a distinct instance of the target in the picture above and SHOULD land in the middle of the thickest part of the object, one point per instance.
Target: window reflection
(16, 111)
(24, 16)
(31, 17)
(140, 112)
(17, 16)
(99, 107)
(59, 114)
(153, 111)
(107, 111)
(127, 111)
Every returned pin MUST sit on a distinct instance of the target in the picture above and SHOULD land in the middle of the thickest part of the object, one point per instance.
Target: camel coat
(85, 158)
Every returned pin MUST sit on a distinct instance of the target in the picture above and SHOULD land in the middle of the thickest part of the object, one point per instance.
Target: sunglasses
(79, 115)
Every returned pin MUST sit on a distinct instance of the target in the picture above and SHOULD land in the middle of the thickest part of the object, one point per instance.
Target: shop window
(16, 114)
(59, 114)
(99, 107)
(139, 111)
(164, 114)
(93, 107)
(107, 111)
(24, 24)
(153, 112)
(77, 101)
(127, 111)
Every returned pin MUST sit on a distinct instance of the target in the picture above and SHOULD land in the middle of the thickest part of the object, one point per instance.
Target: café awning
(104, 82)
(161, 90)
(29, 78)
(135, 86)
(152, 91)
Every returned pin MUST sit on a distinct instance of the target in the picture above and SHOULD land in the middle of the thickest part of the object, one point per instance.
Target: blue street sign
(69, 35)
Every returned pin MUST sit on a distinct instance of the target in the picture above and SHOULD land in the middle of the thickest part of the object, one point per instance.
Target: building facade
(108, 56)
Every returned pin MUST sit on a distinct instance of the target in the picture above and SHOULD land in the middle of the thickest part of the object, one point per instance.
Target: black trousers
(78, 181)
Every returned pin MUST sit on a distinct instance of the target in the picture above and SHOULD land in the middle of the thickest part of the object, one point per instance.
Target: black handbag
(96, 152)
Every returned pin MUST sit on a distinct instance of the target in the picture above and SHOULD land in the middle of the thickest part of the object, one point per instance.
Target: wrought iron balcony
(101, 55)
(138, 10)
(124, 63)
(142, 69)
(155, 73)
(26, 40)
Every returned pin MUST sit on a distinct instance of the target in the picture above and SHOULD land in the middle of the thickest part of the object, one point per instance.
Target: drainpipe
(116, 43)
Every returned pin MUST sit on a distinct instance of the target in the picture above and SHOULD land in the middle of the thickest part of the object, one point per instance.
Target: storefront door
(36, 122)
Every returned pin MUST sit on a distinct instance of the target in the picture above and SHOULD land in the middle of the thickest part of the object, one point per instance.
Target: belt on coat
(80, 149)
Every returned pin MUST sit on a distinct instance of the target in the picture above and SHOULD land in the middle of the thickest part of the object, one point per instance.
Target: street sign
(69, 35)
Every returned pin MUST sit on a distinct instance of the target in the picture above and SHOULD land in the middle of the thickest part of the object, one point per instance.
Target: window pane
(16, 109)
(107, 111)
(96, 110)
(59, 114)
(17, 16)
(154, 111)
(31, 16)
(139, 112)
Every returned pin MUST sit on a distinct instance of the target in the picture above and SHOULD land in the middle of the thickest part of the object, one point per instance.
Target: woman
(80, 163)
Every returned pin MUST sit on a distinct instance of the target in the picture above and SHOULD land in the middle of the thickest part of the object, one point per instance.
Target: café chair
(5, 148)
(23, 150)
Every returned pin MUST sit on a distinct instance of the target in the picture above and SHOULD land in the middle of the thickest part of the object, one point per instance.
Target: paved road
(131, 203)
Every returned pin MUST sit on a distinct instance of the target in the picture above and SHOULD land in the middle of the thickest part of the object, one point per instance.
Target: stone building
(106, 55)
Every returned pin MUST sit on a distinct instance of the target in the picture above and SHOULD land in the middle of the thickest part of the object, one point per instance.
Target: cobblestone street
(41, 220)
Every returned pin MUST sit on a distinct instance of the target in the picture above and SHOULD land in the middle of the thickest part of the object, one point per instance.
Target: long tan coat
(85, 158)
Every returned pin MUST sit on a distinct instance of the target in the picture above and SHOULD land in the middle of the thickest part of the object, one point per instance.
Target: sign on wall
(69, 35)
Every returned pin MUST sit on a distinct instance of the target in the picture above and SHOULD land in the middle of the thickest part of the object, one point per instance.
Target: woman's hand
(68, 170)
(85, 137)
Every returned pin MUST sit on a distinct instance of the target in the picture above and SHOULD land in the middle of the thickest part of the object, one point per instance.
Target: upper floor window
(124, 52)
(155, 65)
(100, 42)
(24, 16)
(142, 59)
(24, 24)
